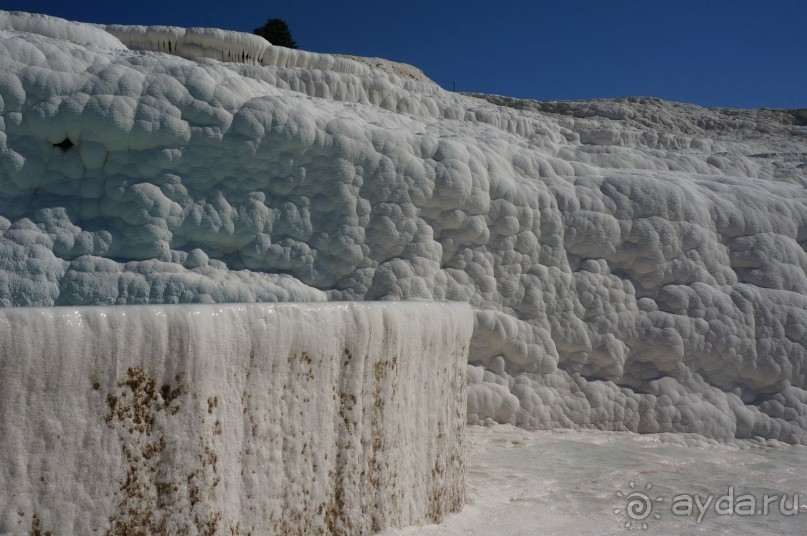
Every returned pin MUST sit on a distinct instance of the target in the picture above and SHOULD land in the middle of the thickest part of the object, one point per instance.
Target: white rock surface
(581, 482)
(232, 419)
(635, 264)
(76, 32)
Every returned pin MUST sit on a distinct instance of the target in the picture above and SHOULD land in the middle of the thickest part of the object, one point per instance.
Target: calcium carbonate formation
(338, 418)
(634, 264)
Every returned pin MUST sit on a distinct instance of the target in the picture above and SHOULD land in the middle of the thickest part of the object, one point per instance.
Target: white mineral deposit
(633, 265)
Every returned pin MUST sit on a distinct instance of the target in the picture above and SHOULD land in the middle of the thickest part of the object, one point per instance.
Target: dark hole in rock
(64, 145)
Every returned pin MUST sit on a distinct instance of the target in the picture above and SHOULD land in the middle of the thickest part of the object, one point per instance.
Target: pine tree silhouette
(277, 32)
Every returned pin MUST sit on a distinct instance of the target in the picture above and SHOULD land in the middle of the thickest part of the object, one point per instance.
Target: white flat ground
(566, 482)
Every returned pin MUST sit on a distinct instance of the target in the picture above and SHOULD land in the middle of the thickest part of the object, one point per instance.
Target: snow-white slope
(343, 418)
(635, 264)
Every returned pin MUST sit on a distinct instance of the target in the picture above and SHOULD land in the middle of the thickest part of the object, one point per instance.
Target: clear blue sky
(734, 53)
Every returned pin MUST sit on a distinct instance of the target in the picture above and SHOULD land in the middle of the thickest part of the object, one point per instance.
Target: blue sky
(733, 53)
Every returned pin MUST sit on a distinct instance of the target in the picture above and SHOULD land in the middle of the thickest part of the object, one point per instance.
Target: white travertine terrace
(342, 418)
(75, 32)
(634, 264)
(229, 46)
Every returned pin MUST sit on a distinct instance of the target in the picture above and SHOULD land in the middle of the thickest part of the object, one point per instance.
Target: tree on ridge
(277, 32)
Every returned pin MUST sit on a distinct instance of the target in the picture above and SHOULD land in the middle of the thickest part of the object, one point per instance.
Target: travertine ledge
(341, 418)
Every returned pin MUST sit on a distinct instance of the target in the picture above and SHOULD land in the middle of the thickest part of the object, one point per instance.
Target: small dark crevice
(64, 145)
